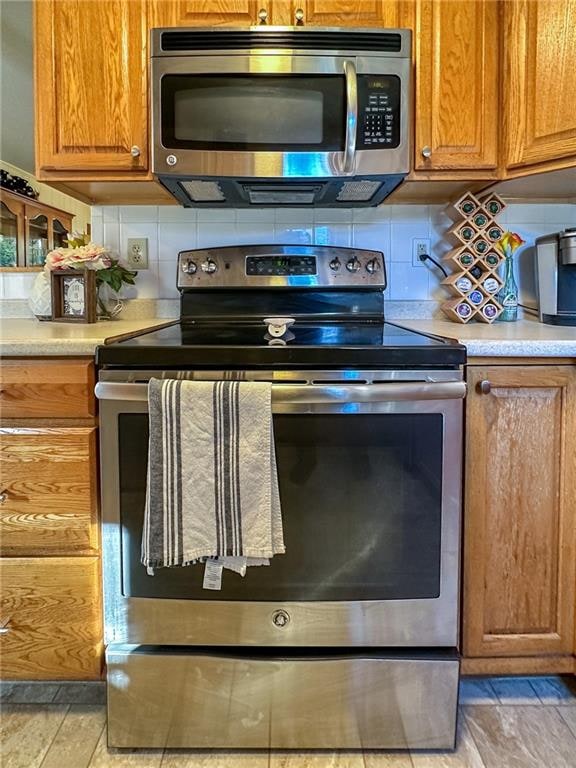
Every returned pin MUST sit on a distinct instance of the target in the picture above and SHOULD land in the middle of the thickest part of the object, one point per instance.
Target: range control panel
(378, 112)
(281, 266)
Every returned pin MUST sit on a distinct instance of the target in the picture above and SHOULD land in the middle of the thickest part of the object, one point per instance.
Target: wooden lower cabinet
(50, 604)
(520, 519)
(51, 618)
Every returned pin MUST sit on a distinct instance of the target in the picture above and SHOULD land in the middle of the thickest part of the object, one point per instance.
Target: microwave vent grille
(224, 40)
(203, 191)
(358, 191)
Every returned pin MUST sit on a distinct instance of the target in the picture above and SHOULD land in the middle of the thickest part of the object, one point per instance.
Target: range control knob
(335, 264)
(353, 265)
(189, 267)
(209, 266)
(372, 266)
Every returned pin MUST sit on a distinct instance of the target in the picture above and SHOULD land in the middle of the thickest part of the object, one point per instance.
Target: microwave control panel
(378, 112)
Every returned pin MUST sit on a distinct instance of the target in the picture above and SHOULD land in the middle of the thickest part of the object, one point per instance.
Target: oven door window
(361, 502)
(282, 113)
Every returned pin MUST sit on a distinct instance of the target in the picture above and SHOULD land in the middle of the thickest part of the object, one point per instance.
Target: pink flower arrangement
(80, 254)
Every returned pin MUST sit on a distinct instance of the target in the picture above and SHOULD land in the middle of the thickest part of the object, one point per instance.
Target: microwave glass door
(253, 112)
(361, 497)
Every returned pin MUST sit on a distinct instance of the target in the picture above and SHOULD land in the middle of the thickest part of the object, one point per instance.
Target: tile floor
(503, 723)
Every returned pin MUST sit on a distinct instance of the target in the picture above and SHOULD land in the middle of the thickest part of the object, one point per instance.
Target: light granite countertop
(525, 338)
(31, 338)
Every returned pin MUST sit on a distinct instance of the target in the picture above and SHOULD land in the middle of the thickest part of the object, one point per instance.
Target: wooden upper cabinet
(206, 13)
(456, 84)
(340, 13)
(91, 86)
(540, 87)
(520, 515)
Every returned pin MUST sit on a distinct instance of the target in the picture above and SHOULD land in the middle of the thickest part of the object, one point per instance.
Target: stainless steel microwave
(268, 116)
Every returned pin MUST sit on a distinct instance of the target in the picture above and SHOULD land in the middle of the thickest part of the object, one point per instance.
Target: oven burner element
(277, 326)
(280, 619)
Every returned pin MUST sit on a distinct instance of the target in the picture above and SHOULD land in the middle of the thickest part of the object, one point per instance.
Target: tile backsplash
(389, 228)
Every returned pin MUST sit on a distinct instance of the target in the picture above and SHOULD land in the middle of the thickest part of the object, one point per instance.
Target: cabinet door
(48, 491)
(341, 13)
(456, 81)
(540, 89)
(209, 13)
(51, 617)
(11, 233)
(520, 514)
(91, 85)
(37, 235)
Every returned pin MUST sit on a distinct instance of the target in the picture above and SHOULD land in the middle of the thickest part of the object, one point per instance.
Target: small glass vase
(40, 299)
(108, 305)
(508, 295)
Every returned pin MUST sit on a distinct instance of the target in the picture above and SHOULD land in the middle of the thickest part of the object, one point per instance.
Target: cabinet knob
(426, 152)
(3, 497)
(263, 16)
(4, 626)
(484, 387)
(135, 151)
(299, 14)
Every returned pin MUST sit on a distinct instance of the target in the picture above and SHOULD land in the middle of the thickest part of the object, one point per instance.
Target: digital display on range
(281, 265)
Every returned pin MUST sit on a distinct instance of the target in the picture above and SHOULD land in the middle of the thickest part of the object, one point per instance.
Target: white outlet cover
(137, 253)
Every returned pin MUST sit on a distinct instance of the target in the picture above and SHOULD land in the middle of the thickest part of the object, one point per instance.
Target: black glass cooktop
(247, 344)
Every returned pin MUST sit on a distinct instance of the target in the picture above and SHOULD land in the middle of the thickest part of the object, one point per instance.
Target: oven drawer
(160, 697)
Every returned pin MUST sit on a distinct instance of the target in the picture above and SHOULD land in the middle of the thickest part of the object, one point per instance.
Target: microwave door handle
(351, 117)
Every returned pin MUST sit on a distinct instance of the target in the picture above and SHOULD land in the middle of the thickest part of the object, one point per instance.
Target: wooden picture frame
(74, 296)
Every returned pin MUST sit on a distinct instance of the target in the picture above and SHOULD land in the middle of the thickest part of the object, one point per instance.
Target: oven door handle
(317, 393)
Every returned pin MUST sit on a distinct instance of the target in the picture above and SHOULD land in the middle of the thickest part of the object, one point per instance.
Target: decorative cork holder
(474, 260)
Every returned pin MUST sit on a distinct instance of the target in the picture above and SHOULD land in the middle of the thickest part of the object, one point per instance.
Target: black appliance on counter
(556, 277)
(350, 639)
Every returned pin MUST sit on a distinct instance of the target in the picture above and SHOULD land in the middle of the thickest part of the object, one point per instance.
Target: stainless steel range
(350, 639)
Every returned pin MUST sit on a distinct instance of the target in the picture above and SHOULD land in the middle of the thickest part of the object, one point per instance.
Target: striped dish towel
(212, 486)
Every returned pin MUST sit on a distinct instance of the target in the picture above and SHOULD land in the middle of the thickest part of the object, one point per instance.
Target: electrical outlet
(137, 253)
(420, 247)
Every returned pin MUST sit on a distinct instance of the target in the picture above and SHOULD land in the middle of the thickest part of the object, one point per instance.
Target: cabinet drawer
(47, 389)
(50, 612)
(48, 502)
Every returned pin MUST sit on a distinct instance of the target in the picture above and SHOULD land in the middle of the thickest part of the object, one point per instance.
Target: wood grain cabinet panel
(204, 13)
(48, 501)
(91, 65)
(540, 88)
(342, 13)
(520, 512)
(45, 388)
(456, 74)
(50, 612)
